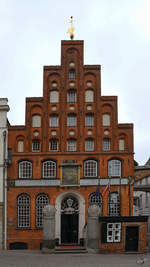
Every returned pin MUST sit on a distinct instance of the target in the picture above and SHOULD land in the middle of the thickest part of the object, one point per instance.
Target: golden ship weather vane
(71, 29)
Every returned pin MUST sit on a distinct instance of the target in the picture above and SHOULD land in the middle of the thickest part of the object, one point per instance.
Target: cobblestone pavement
(20, 258)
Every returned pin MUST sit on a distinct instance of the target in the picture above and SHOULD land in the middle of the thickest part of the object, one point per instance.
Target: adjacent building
(4, 108)
(69, 151)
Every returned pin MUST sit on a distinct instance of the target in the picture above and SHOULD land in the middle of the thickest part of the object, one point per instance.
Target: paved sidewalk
(28, 258)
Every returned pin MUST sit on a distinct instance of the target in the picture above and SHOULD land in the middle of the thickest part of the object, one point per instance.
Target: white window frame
(25, 169)
(72, 74)
(90, 168)
(106, 144)
(36, 121)
(72, 96)
(114, 204)
(20, 146)
(89, 96)
(121, 144)
(23, 211)
(113, 232)
(114, 168)
(49, 169)
(95, 199)
(54, 121)
(53, 145)
(106, 119)
(35, 146)
(54, 96)
(72, 120)
(72, 145)
(89, 145)
(41, 201)
(89, 120)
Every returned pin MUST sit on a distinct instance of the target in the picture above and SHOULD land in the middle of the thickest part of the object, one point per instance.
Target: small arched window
(72, 74)
(36, 121)
(72, 145)
(114, 167)
(49, 169)
(114, 204)
(89, 120)
(71, 96)
(106, 144)
(23, 211)
(25, 169)
(54, 121)
(53, 146)
(90, 168)
(54, 96)
(72, 120)
(41, 201)
(89, 145)
(106, 120)
(89, 96)
(20, 146)
(121, 144)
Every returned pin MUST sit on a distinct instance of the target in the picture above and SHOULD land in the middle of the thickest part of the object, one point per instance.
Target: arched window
(95, 199)
(121, 144)
(90, 168)
(54, 96)
(41, 201)
(106, 120)
(106, 144)
(23, 211)
(89, 144)
(36, 121)
(54, 121)
(89, 120)
(71, 145)
(20, 145)
(89, 96)
(53, 146)
(25, 169)
(71, 120)
(49, 169)
(36, 145)
(72, 74)
(114, 204)
(114, 167)
(71, 96)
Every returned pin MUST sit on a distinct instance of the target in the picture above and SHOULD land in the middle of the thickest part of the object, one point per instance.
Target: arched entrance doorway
(61, 208)
(69, 220)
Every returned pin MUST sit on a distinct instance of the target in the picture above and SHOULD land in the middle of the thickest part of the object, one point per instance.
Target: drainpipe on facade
(130, 179)
(4, 193)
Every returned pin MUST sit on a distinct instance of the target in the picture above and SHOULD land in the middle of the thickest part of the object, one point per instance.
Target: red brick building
(70, 143)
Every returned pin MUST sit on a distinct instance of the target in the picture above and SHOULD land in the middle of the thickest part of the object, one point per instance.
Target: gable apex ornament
(71, 29)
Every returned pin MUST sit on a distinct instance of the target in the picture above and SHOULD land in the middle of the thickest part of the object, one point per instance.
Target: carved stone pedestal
(48, 229)
(93, 228)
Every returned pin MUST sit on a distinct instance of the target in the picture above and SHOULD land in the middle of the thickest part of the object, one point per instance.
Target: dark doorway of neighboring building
(69, 228)
(132, 238)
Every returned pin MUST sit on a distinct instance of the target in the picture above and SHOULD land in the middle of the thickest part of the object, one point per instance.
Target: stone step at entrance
(70, 249)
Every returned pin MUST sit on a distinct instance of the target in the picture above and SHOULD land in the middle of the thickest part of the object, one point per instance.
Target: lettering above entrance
(70, 175)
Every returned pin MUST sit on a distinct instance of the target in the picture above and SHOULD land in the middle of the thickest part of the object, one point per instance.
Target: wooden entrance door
(132, 238)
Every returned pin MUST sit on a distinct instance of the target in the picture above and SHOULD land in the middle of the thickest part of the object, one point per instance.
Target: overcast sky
(116, 35)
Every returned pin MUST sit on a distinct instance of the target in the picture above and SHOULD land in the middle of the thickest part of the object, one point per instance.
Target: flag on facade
(97, 189)
(107, 188)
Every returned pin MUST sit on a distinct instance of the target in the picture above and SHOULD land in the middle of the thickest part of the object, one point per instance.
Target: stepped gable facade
(69, 149)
